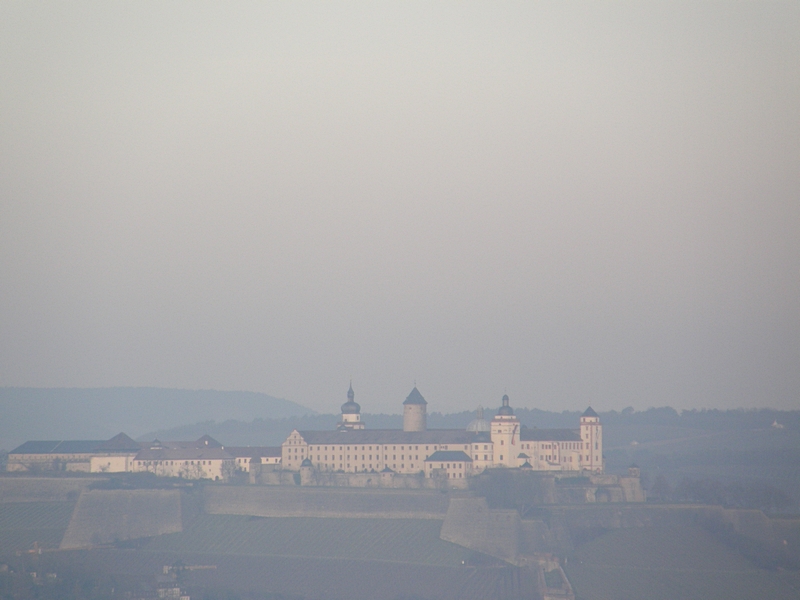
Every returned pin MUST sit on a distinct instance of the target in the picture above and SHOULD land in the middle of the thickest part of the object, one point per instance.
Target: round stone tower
(414, 412)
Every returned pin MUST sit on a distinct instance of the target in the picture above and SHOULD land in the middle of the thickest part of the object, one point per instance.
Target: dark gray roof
(204, 442)
(389, 436)
(549, 435)
(415, 397)
(451, 455)
(351, 407)
(58, 447)
(183, 454)
(589, 412)
(120, 443)
(505, 408)
(208, 442)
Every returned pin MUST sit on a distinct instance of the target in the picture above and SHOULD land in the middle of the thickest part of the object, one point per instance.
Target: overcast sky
(572, 203)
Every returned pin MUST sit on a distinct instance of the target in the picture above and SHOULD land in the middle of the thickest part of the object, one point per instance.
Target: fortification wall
(632, 489)
(42, 489)
(296, 501)
(314, 477)
(536, 538)
(471, 523)
(106, 516)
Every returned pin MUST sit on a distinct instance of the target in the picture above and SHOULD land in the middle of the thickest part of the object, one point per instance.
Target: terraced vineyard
(664, 563)
(410, 541)
(24, 523)
(233, 576)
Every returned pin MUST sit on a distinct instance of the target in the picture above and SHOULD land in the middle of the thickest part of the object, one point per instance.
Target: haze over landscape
(581, 203)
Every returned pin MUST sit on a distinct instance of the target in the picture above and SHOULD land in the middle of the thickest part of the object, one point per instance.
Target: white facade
(507, 444)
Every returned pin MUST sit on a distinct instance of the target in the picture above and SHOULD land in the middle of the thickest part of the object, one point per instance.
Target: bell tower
(351, 412)
(505, 435)
(591, 441)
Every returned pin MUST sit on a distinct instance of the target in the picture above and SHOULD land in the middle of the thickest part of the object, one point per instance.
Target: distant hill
(99, 413)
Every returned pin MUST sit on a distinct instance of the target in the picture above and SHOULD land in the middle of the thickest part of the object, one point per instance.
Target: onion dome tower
(505, 409)
(414, 412)
(351, 412)
(479, 424)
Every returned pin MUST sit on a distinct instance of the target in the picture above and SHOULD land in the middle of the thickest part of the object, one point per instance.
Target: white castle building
(503, 442)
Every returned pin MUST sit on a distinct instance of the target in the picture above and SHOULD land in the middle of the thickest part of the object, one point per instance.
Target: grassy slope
(669, 563)
(410, 541)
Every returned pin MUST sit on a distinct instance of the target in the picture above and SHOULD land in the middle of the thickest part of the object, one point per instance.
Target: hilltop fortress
(447, 453)
(351, 450)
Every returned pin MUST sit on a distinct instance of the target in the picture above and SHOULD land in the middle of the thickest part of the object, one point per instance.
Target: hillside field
(669, 563)
(410, 541)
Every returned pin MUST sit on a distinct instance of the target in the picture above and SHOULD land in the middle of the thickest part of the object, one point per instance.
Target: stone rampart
(107, 516)
(472, 524)
(309, 476)
(289, 501)
(536, 538)
(42, 489)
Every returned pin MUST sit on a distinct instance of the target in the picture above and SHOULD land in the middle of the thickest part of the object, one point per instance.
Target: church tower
(351, 412)
(505, 436)
(415, 412)
(592, 441)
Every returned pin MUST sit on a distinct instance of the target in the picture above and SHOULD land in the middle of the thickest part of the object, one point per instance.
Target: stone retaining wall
(287, 501)
(107, 516)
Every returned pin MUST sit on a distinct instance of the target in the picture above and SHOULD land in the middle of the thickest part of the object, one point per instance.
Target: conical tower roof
(415, 397)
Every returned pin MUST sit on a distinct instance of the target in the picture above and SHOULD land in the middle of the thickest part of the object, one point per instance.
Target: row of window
(386, 447)
(169, 462)
(563, 446)
(324, 458)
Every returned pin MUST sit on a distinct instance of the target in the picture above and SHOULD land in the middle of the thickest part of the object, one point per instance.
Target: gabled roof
(589, 412)
(204, 442)
(208, 442)
(58, 447)
(183, 454)
(449, 455)
(120, 443)
(549, 435)
(415, 397)
(388, 436)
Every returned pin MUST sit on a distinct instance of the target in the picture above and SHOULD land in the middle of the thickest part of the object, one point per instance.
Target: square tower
(591, 441)
(505, 436)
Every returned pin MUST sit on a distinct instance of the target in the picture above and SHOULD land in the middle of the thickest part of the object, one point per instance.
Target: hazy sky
(572, 202)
